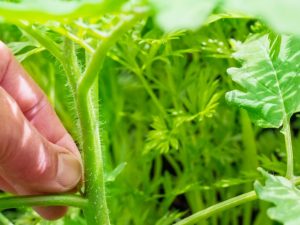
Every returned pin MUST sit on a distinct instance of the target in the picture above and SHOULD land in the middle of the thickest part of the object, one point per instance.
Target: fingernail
(69, 171)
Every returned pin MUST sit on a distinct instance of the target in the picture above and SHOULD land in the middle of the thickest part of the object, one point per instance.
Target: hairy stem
(217, 208)
(289, 148)
(97, 210)
(70, 64)
(44, 200)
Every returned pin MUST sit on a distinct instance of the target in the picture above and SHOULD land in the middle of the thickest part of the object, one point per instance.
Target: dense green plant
(154, 73)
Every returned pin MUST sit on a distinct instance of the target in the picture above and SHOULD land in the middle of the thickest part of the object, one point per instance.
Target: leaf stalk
(289, 148)
(43, 200)
(217, 208)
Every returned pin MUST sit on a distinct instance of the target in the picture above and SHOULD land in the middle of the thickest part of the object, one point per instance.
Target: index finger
(32, 101)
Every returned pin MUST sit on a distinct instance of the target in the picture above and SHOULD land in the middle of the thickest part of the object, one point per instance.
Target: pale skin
(37, 154)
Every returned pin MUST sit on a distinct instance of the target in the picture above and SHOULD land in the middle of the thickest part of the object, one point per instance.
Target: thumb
(29, 163)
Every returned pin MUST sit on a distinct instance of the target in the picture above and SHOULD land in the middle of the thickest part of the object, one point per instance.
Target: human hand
(37, 155)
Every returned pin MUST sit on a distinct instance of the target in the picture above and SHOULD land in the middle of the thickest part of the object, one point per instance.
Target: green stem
(98, 57)
(73, 73)
(217, 208)
(250, 162)
(97, 210)
(289, 148)
(70, 64)
(43, 39)
(45, 200)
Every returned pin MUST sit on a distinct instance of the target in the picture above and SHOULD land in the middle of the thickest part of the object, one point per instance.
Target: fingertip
(69, 171)
(51, 212)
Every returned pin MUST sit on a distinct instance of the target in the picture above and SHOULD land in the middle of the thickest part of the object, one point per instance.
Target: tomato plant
(140, 85)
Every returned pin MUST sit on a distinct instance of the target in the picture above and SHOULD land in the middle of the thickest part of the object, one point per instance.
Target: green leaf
(270, 79)
(284, 194)
(283, 15)
(57, 10)
(162, 137)
(179, 14)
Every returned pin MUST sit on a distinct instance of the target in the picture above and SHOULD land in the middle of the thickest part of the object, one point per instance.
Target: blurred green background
(173, 144)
